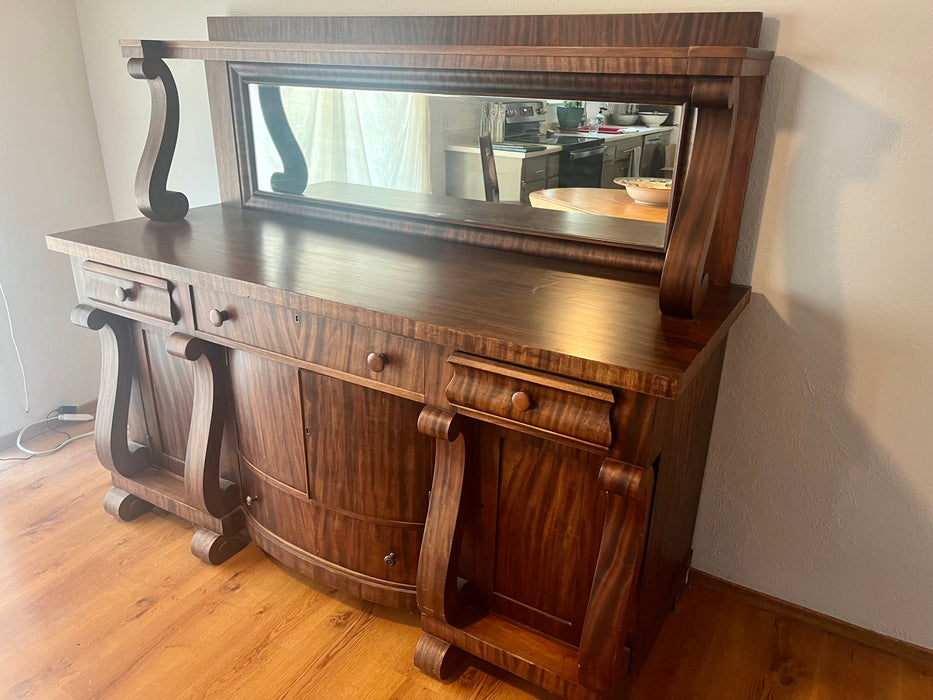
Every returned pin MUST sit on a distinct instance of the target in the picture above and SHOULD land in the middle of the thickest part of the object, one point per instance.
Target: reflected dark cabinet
(439, 409)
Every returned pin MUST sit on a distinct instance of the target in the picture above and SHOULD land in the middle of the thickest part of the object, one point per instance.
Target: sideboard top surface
(584, 321)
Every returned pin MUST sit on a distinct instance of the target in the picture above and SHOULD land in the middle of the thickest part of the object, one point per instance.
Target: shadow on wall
(800, 500)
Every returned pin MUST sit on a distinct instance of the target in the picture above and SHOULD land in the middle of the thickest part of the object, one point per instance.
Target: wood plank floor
(94, 608)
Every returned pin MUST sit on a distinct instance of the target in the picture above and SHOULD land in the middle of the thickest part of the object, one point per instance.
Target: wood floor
(90, 608)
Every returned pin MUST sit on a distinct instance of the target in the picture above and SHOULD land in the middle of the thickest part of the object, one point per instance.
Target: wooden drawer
(359, 545)
(514, 396)
(129, 293)
(320, 341)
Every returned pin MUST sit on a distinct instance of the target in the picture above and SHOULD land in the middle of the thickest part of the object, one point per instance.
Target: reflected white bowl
(652, 118)
(654, 191)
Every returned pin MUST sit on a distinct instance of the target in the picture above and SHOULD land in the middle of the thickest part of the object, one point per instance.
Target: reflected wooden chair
(490, 179)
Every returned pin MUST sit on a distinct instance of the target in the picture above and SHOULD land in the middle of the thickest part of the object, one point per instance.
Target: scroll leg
(437, 658)
(437, 586)
(212, 548)
(116, 376)
(125, 506)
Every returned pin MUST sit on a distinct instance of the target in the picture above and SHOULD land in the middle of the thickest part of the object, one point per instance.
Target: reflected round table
(596, 200)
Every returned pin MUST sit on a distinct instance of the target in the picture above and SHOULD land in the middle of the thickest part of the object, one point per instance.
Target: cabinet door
(533, 530)
(365, 454)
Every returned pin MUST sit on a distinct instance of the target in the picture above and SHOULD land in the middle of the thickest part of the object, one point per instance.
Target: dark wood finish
(633, 30)
(152, 197)
(684, 279)
(260, 389)
(124, 506)
(506, 395)
(671, 58)
(294, 175)
(138, 296)
(203, 486)
(513, 445)
(490, 178)
(323, 342)
(610, 615)
(113, 403)
(438, 590)
(435, 657)
(364, 454)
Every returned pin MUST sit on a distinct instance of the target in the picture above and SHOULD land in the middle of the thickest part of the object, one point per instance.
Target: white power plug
(76, 417)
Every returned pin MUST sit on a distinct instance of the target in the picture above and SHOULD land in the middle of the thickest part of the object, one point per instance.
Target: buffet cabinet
(495, 416)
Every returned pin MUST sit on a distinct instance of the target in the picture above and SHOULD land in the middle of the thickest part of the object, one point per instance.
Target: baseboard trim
(9, 440)
(904, 650)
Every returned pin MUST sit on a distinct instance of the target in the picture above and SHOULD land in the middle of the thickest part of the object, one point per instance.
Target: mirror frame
(707, 61)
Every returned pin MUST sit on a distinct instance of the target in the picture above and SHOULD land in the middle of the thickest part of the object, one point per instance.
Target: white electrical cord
(19, 357)
(19, 439)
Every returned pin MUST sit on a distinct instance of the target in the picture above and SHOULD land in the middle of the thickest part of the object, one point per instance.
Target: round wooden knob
(218, 317)
(521, 401)
(125, 293)
(377, 361)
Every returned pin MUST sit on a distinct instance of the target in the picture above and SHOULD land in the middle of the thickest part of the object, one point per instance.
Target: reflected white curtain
(363, 137)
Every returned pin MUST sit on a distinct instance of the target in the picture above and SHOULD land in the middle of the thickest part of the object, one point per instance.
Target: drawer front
(552, 164)
(129, 293)
(515, 396)
(356, 350)
(363, 546)
(535, 169)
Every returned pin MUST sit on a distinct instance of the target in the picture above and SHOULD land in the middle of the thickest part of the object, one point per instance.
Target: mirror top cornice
(706, 62)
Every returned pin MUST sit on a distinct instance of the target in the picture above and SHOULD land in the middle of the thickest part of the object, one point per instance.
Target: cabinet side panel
(678, 480)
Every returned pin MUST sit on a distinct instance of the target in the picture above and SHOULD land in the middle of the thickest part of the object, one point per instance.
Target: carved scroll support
(114, 450)
(610, 612)
(437, 590)
(152, 197)
(294, 176)
(204, 488)
(683, 278)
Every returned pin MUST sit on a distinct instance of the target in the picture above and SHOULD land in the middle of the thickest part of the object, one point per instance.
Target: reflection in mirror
(603, 159)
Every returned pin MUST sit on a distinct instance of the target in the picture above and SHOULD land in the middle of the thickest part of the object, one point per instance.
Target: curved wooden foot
(212, 548)
(437, 658)
(125, 506)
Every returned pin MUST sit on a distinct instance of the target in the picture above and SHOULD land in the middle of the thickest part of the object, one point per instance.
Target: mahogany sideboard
(500, 429)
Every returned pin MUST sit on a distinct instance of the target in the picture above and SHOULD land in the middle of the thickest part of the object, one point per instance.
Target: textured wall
(819, 488)
(51, 178)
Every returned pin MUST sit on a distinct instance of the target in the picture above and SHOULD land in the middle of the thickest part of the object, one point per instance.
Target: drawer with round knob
(129, 293)
(378, 357)
(530, 400)
(369, 547)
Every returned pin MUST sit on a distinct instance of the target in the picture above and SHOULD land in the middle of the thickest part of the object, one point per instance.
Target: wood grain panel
(521, 395)
(544, 556)
(322, 341)
(680, 29)
(358, 546)
(267, 406)
(129, 293)
(172, 385)
(365, 454)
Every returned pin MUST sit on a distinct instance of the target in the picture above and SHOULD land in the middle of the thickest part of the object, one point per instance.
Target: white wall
(51, 178)
(819, 488)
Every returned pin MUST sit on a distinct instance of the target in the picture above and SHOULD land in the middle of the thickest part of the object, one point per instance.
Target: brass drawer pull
(377, 361)
(390, 559)
(218, 317)
(251, 501)
(521, 401)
